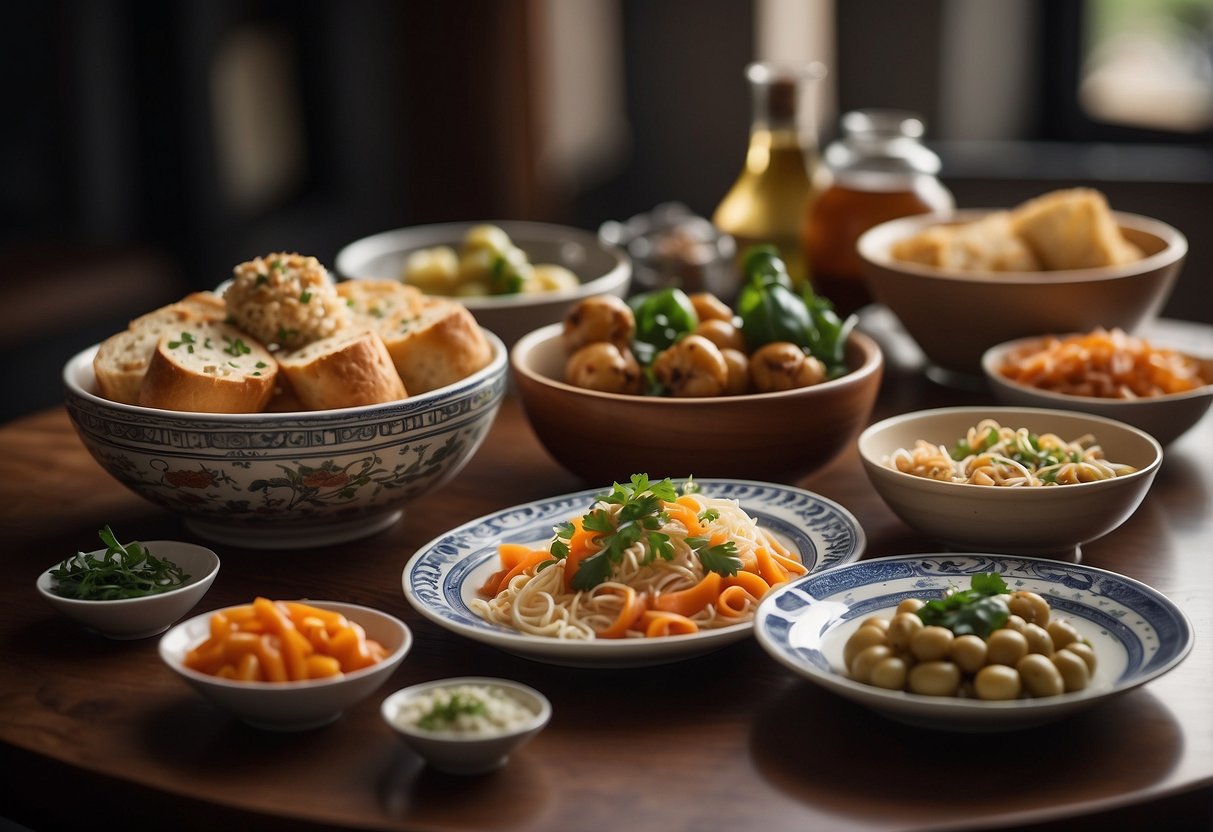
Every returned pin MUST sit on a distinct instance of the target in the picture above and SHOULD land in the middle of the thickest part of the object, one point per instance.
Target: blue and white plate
(443, 576)
(1136, 632)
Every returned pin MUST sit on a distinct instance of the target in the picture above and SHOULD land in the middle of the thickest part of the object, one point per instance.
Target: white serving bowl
(601, 269)
(288, 480)
(1136, 632)
(1051, 521)
(1166, 418)
(149, 615)
(291, 706)
(456, 753)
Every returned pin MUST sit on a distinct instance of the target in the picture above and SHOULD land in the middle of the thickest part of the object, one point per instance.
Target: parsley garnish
(187, 338)
(285, 334)
(124, 571)
(305, 296)
(721, 558)
(444, 713)
(261, 280)
(974, 611)
(236, 346)
(277, 265)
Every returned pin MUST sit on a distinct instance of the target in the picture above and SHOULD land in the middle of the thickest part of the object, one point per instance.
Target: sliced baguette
(209, 367)
(440, 345)
(350, 368)
(122, 359)
(374, 304)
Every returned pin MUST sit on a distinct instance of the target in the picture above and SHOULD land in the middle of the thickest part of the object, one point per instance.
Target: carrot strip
(534, 557)
(734, 601)
(768, 567)
(684, 511)
(751, 582)
(657, 623)
(692, 600)
(634, 606)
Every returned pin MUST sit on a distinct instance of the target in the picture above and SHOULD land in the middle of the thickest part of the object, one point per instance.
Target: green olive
(869, 657)
(931, 643)
(1039, 640)
(1062, 632)
(1040, 676)
(934, 678)
(910, 605)
(1084, 651)
(997, 681)
(902, 629)
(889, 673)
(969, 653)
(1074, 672)
(877, 621)
(859, 641)
(1006, 647)
(1029, 606)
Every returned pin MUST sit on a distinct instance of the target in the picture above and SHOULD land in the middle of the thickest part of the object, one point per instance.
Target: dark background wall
(112, 196)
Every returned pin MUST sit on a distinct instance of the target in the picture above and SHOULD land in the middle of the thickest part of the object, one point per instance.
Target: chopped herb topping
(187, 339)
(445, 713)
(235, 346)
(305, 296)
(261, 280)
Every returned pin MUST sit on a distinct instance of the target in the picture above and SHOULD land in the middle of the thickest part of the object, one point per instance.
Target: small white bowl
(1166, 418)
(1051, 521)
(132, 618)
(292, 706)
(455, 753)
(601, 269)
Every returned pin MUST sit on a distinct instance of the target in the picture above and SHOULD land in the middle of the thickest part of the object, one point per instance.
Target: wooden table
(94, 730)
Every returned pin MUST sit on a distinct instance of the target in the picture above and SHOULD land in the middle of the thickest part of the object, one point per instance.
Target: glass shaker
(767, 203)
(880, 170)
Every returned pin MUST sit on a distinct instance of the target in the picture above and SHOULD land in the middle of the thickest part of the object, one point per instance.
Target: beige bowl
(1166, 418)
(775, 437)
(600, 268)
(956, 316)
(1049, 521)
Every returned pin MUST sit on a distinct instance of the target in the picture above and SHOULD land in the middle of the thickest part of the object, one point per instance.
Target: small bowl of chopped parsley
(130, 590)
(466, 725)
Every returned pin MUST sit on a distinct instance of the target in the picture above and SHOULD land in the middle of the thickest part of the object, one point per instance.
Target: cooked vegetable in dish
(466, 710)
(984, 642)
(991, 454)
(644, 561)
(487, 263)
(282, 641)
(668, 343)
(123, 571)
(1103, 363)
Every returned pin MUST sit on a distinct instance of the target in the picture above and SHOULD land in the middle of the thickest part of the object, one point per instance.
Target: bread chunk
(440, 345)
(209, 367)
(988, 245)
(122, 359)
(285, 300)
(378, 304)
(348, 369)
(1073, 229)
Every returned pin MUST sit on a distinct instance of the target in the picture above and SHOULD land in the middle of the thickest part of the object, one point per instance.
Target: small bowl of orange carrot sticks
(287, 665)
(1108, 372)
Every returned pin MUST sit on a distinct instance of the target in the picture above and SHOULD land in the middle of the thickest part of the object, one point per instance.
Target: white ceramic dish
(131, 618)
(442, 577)
(291, 706)
(288, 480)
(602, 269)
(1136, 632)
(1166, 418)
(1049, 521)
(455, 753)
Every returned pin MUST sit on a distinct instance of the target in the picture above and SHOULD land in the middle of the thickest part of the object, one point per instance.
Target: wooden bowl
(774, 437)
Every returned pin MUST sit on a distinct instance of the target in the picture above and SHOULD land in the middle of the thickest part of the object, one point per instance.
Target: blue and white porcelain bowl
(288, 480)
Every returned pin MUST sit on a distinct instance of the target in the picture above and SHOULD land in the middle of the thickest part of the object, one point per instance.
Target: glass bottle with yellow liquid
(767, 203)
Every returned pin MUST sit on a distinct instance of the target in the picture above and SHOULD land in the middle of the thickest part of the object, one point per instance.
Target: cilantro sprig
(974, 611)
(124, 571)
(630, 514)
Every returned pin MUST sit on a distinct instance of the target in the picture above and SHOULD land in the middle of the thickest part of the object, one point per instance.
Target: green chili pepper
(662, 317)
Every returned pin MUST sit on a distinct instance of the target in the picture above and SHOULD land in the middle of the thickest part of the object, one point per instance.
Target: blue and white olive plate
(443, 576)
(1136, 632)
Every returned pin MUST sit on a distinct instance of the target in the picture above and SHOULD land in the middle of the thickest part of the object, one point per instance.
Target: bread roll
(986, 245)
(348, 369)
(122, 359)
(209, 367)
(440, 346)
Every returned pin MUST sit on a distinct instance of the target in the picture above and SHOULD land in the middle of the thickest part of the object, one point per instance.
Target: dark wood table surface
(95, 731)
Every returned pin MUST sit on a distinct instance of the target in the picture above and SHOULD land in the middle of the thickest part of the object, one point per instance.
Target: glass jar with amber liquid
(767, 203)
(879, 170)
